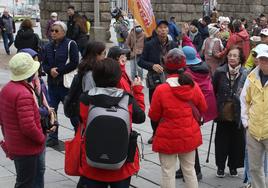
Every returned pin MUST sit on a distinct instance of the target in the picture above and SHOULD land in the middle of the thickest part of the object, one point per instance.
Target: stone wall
(242, 8)
(84, 7)
(183, 10)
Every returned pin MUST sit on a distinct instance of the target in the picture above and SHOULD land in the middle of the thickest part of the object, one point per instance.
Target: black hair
(30, 79)
(93, 49)
(184, 78)
(107, 73)
(237, 25)
(71, 7)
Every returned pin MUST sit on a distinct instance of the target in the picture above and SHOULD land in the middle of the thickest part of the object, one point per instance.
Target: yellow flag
(143, 13)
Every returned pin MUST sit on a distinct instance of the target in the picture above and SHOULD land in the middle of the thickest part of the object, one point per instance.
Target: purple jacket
(204, 81)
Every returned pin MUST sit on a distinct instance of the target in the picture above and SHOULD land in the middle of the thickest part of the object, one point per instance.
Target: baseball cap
(116, 51)
(264, 32)
(263, 51)
(160, 22)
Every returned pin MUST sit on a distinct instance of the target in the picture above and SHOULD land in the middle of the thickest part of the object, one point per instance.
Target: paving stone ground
(149, 175)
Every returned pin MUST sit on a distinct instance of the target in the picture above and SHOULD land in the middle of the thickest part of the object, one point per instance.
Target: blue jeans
(8, 39)
(57, 95)
(135, 69)
(88, 183)
(41, 167)
(247, 177)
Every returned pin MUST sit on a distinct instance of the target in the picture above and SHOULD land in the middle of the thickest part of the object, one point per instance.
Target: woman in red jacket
(178, 133)
(20, 120)
(107, 74)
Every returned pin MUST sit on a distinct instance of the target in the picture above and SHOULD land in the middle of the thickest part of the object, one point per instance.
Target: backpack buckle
(111, 109)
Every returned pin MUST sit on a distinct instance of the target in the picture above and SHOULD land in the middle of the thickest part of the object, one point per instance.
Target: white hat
(22, 66)
(61, 24)
(54, 14)
(259, 48)
(264, 32)
(255, 39)
(262, 51)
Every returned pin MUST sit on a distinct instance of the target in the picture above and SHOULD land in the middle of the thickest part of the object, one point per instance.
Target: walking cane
(210, 140)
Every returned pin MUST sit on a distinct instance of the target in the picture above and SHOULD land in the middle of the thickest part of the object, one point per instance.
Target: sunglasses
(54, 30)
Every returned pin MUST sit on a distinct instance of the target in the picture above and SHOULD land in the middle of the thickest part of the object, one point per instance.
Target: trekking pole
(210, 140)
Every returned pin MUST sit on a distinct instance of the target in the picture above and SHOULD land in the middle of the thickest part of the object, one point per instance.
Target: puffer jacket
(223, 92)
(137, 115)
(26, 38)
(254, 106)
(20, 120)
(200, 74)
(177, 131)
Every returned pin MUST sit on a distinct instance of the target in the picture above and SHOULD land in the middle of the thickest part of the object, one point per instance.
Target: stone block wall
(84, 7)
(243, 8)
(183, 10)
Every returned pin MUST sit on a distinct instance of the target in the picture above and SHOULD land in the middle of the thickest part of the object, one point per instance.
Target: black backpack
(107, 135)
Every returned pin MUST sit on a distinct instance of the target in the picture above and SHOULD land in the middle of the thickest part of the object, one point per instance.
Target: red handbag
(73, 154)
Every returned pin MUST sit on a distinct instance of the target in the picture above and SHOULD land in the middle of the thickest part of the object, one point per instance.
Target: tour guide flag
(143, 12)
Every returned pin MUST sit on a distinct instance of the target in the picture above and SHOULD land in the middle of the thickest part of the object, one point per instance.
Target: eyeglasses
(232, 55)
(54, 30)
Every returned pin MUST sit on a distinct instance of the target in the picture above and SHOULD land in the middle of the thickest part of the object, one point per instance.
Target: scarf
(192, 35)
(234, 73)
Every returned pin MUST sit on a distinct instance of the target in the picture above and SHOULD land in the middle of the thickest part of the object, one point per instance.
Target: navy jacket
(56, 56)
(152, 53)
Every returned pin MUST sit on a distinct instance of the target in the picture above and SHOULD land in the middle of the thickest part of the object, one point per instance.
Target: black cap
(116, 51)
(159, 22)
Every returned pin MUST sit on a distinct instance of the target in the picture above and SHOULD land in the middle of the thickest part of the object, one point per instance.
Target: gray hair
(61, 24)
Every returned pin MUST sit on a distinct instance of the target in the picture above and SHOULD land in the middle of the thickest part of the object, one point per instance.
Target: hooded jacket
(108, 97)
(135, 42)
(26, 38)
(200, 74)
(177, 131)
(240, 39)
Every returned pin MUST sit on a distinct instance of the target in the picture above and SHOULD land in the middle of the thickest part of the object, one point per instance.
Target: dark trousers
(8, 40)
(26, 169)
(88, 183)
(153, 123)
(57, 95)
(197, 166)
(229, 143)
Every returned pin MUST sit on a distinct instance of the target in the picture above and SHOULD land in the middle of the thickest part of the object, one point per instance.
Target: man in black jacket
(70, 24)
(152, 60)
(7, 27)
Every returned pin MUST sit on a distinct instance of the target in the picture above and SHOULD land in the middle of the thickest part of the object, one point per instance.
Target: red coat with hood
(137, 115)
(177, 131)
(20, 120)
(240, 39)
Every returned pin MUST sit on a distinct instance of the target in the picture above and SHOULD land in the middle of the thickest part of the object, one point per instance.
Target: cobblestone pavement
(148, 177)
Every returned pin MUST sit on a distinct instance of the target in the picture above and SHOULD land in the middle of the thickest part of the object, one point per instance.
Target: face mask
(138, 29)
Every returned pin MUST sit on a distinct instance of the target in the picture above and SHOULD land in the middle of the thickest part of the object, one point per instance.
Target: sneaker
(52, 142)
(150, 141)
(233, 172)
(179, 174)
(199, 176)
(220, 173)
(248, 185)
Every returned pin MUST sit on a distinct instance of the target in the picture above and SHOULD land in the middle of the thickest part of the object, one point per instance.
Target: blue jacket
(173, 31)
(56, 56)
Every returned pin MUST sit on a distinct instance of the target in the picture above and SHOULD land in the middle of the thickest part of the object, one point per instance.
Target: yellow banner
(143, 13)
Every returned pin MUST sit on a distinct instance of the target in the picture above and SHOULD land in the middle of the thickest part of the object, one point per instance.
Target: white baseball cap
(264, 32)
(263, 51)
(54, 14)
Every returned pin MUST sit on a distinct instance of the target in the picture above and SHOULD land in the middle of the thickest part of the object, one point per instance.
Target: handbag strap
(69, 47)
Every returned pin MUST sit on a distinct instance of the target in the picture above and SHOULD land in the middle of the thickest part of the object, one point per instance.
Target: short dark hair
(107, 73)
(71, 7)
(242, 58)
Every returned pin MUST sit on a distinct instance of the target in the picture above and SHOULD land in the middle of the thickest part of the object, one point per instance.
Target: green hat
(22, 66)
